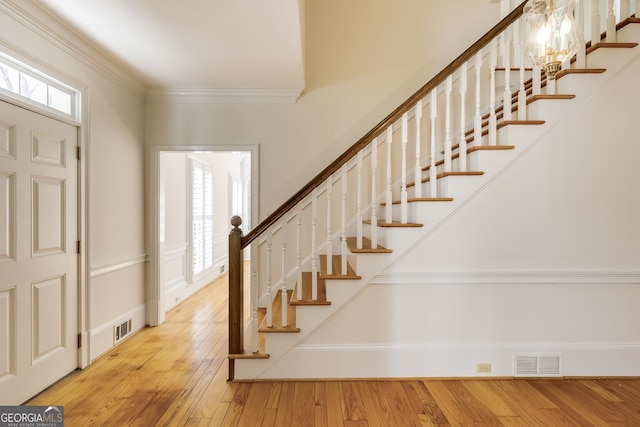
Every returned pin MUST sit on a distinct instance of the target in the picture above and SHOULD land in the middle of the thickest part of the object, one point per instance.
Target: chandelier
(553, 34)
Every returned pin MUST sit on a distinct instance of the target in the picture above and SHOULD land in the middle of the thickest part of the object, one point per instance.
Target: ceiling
(197, 44)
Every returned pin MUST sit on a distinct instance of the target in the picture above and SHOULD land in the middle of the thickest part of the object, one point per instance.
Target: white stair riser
(613, 59)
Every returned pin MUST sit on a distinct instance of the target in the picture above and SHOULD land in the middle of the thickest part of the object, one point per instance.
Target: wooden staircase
(366, 252)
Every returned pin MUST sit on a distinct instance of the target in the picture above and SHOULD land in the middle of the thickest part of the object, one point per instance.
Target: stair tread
(276, 315)
(420, 199)
(336, 267)
(249, 355)
(352, 244)
(452, 173)
(307, 291)
(543, 96)
(610, 45)
(382, 223)
(499, 125)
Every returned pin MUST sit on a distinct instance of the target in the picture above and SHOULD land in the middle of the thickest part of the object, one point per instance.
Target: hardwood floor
(175, 375)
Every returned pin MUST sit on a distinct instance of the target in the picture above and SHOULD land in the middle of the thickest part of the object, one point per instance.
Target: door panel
(38, 263)
(48, 216)
(7, 217)
(7, 332)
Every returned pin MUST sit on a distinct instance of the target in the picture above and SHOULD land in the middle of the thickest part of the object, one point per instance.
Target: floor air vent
(538, 365)
(120, 331)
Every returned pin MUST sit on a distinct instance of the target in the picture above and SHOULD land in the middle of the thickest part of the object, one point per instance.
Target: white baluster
(625, 9)
(359, 205)
(389, 194)
(374, 195)
(537, 80)
(492, 94)
(299, 253)
(269, 279)
(403, 178)
(329, 226)
(433, 179)
(517, 42)
(581, 55)
(506, 99)
(448, 87)
(284, 294)
(611, 22)
(417, 189)
(477, 119)
(254, 310)
(462, 145)
(343, 230)
(595, 23)
(522, 92)
(314, 254)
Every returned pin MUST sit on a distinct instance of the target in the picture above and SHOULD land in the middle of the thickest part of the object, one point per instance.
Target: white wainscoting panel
(175, 270)
(115, 298)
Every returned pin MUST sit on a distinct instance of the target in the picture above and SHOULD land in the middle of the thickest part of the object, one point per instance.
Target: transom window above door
(26, 84)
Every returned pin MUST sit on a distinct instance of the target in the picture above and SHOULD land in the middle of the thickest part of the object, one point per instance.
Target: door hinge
(79, 340)
(78, 152)
(78, 247)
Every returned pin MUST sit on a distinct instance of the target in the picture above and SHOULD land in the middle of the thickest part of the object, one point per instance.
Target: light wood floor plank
(256, 404)
(285, 404)
(370, 406)
(353, 404)
(448, 403)
(482, 392)
(303, 404)
(335, 410)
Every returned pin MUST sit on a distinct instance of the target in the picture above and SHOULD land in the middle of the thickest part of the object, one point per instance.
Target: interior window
(201, 216)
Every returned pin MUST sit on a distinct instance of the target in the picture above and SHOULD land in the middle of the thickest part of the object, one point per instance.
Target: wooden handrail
(383, 125)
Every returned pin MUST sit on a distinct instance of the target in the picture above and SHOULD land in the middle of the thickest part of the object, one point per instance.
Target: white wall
(545, 259)
(113, 141)
(362, 60)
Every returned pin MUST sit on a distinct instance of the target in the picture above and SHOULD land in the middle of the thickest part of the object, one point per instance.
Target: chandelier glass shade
(553, 34)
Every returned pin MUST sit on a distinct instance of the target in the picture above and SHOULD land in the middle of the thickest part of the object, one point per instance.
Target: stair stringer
(283, 363)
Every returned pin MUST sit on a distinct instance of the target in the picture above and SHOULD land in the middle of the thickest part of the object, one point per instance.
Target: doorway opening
(198, 191)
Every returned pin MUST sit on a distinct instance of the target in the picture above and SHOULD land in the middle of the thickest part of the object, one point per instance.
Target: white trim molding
(41, 20)
(118, 265)
(447, 360)
(222, 96)
(482, 277)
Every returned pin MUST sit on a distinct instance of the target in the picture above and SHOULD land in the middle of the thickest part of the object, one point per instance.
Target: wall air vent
(538, 365)
(121, 330)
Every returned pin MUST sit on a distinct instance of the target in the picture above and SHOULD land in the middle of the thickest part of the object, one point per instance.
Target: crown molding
(41, 20)
(222, 96)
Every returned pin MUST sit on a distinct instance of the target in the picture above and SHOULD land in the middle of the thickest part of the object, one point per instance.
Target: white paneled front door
(38, 259)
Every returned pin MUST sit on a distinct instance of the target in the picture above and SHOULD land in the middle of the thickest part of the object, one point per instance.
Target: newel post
(236, 269)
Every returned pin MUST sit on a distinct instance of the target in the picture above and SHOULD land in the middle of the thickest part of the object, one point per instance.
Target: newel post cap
(236, 221)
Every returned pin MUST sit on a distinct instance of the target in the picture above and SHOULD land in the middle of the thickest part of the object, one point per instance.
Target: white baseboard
(101, 337)
(447, 360)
